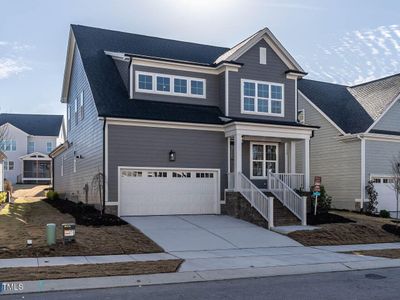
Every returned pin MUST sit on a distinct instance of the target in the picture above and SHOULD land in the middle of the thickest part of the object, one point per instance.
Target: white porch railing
(257, 199)
(294, 180)
(289, 198)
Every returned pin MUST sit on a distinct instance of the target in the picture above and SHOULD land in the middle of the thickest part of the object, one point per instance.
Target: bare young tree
(396, 181)
(97, 188)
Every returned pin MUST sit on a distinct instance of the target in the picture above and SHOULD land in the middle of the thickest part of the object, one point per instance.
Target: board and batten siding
(136, 146)
(273, 71)
(391, 120)
(212, 87)
(85, 139)
(338, 162)
(379, 156)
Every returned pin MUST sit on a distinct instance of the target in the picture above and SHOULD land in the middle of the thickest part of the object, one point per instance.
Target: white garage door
(168, 192)
(386, 196)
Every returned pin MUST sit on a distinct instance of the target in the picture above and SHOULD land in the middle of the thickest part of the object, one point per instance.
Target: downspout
(362, 170)
(104, 166)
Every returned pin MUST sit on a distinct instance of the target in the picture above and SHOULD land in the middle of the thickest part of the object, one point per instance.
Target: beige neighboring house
(3, 157)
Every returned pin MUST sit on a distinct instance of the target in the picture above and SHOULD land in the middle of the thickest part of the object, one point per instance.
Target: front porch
(35, 168)
(262, 166)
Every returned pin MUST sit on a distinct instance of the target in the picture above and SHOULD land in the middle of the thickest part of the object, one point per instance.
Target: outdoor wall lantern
(172, 155)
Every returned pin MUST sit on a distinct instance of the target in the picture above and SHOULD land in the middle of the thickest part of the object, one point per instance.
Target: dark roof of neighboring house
(106, 83)
(375, 96)
(338, 104)
(39, 125)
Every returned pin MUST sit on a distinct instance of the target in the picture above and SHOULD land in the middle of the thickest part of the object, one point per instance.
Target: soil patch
(326, 218)
(387, 253)
(85, 214)
(89, 270)
(392, 228)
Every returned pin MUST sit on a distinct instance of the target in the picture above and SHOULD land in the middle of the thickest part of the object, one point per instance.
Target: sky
(346, 42)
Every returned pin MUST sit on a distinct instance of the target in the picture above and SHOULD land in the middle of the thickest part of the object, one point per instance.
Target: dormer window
(170, 85)
(264, 98)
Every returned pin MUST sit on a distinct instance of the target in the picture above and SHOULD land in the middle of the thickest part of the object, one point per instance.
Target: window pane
(276, 92)
(248, 104)
(145, 82)
(163, 84)
(276, 107)
(271, 166)
(263, 90)
(270, 152)
(180, 85)
(258, 152)
(262, 105)
(249, 89)
(257, 168)
(197, 87)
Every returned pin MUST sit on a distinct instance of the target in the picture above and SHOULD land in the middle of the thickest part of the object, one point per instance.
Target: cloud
(10, 61)
(10, 66)
(357, 56)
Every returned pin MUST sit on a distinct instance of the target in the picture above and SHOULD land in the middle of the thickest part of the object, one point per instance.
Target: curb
(187, 277)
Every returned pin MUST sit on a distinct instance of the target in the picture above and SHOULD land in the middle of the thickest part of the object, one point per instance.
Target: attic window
(263, 56)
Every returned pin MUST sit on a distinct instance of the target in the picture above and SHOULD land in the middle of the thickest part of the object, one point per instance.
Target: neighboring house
(172, 125)
(2, 159)
(358, 138)
(29, 139)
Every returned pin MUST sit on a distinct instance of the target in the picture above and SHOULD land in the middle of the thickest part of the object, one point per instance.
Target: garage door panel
(162, 192)
(386, 195)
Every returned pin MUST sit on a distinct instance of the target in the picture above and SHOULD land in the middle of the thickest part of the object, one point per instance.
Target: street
(369, 284)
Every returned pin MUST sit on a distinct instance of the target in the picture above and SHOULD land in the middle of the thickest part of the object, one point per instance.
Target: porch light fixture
(172, 155)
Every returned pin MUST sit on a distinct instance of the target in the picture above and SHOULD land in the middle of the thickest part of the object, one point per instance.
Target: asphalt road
(370, 284)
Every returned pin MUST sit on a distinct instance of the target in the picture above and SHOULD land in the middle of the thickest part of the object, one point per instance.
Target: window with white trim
(263, 55)
(170, 85)
(69, 116)
(263, 157)
(259, 97)
(8, 145)
(8, 165)
(81, 106)
(49, 146)
(31, 147)
(76, 110)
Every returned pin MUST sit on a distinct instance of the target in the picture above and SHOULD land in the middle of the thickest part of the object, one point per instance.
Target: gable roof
(353, 108)
(376, 96)
(34, 124)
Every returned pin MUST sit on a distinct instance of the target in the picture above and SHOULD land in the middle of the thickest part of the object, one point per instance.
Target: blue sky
(336, 41)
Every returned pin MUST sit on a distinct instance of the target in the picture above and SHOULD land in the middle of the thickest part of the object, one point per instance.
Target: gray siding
(273, 71)
(212, 88)
(379, 156)
(86, 138)
(149, 147)
(123, 69)
(391, 120)
(221, 79)
(338, 162)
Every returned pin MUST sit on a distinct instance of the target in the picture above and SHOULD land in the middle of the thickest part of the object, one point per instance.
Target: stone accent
(112, 209)
(237, 206)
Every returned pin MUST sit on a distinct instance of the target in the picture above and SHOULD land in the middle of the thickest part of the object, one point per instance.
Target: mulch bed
(386, 253)
(89, 270)
(392, 228)
(85, 214)
(326, 218)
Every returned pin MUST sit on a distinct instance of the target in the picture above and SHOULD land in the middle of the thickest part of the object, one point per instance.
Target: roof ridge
(375, 80)
(149, 36)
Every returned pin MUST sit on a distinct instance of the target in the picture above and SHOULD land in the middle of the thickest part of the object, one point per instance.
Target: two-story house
(27, 141)
(174, 125)
(358, 139)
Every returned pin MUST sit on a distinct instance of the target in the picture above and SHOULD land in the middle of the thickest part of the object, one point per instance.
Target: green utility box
(51, 234)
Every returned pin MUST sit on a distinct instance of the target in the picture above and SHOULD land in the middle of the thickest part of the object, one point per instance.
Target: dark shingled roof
(338, 104)
(41, 125)
(106, 83)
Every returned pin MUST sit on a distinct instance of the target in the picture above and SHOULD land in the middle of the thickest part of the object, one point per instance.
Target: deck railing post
(304, 211)
(270, 212)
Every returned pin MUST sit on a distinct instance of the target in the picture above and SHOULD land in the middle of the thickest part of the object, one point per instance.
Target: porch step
(282, 215)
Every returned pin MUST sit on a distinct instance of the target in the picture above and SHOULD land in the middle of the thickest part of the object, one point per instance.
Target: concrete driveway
(207, 232)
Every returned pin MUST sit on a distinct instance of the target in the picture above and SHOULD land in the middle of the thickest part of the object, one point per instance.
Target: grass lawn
(27, 219)
(93, 270)
(364, 230)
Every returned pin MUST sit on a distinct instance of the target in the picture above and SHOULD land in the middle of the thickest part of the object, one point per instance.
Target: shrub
(384, 214)
(372, 198)
(3, 197)
(52, 195)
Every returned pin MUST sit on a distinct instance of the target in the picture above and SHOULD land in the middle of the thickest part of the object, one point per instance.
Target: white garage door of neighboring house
(386, 196)
(168, 191)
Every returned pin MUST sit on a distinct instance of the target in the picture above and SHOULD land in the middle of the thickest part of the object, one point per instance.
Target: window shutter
(263, 55)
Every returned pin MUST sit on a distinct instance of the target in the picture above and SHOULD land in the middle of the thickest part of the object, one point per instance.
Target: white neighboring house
(29, 140)
(2, 158)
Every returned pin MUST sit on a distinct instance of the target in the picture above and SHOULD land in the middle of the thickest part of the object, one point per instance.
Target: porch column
(238, 159)
(307, 164)
(293, 157)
